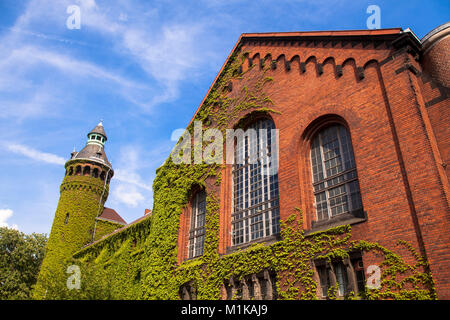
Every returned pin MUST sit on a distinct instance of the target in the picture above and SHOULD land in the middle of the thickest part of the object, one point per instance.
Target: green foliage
(104, 227)
(81, 201)
(20, 258)
(140, 262)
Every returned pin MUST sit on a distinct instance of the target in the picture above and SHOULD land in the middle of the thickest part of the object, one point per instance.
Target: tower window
(95, 173)
(67, 219)
(86, 171)
(335, 182)
(78, 170)
(197, 229)
(99, 138)
(256, 211)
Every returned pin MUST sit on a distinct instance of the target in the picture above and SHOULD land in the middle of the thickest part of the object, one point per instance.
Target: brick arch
(185, 222)
(309, 132)
(248, 118)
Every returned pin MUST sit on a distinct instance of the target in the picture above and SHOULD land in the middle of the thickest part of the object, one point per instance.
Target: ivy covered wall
(141, 261)
(81, 199)
(104, 227)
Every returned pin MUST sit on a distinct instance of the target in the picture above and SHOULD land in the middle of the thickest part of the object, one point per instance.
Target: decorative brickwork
(376, 85)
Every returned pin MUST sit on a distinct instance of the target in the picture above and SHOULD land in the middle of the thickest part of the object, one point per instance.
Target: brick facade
(391, 95)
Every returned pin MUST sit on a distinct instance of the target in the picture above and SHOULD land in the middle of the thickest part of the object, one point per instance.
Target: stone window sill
(340, 220)
(267, 240)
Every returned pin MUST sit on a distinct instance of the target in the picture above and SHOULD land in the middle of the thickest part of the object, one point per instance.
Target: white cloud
(128, 195)
(29, 56)
(34, 105)
(36, 154)
(168, 51)
(5, 214)
(129, 165)
(124, 175)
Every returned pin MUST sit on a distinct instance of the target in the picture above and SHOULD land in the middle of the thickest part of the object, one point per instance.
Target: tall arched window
(335, 182)
(197, 228)
(256, 211)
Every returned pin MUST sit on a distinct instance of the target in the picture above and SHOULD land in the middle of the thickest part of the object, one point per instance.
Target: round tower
(435, 52)
(83, 193)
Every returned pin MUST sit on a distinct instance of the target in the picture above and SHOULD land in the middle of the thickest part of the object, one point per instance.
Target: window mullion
(324, 172)
(264, 161)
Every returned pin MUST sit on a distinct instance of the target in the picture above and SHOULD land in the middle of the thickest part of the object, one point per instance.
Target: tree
(20, 259)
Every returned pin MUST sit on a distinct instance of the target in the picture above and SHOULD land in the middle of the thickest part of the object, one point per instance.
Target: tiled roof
(93, 152)
(111, 215)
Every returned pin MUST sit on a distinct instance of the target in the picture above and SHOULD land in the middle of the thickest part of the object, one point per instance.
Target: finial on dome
(73, 153)
(100, 123)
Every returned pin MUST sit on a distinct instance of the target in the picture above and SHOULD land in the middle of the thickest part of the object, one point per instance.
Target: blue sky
(141, 66)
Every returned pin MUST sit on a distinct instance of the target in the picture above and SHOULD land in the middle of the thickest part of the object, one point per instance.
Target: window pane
(324, 280)
(197, 230)
(341, 278)
(333, 167)
(254, 213)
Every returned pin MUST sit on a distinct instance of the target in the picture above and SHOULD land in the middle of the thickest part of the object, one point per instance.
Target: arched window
(335, 182)
(78, 170)
(70, 171)
(102, 176)
(197, 228)
(86, 171)
(95, 173)
(256, 212)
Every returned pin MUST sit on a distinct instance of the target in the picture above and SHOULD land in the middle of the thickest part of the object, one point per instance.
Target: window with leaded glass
(256, 211)
(197, 228)
(335, 182)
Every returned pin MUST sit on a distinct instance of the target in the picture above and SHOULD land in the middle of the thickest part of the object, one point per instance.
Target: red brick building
(381, 95)
(353, 176)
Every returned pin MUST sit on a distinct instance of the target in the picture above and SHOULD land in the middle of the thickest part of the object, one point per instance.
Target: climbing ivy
(141, 261)
(104, 227)
(82, 198)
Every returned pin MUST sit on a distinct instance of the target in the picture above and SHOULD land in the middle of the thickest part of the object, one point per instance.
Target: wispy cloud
(5, 214)
(36, 154)
(128, 195)
(23, 106)
(124, 175)
(168, 52)
(129, 187)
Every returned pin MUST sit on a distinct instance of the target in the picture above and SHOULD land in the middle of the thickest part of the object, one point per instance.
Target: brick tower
(83, 193)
